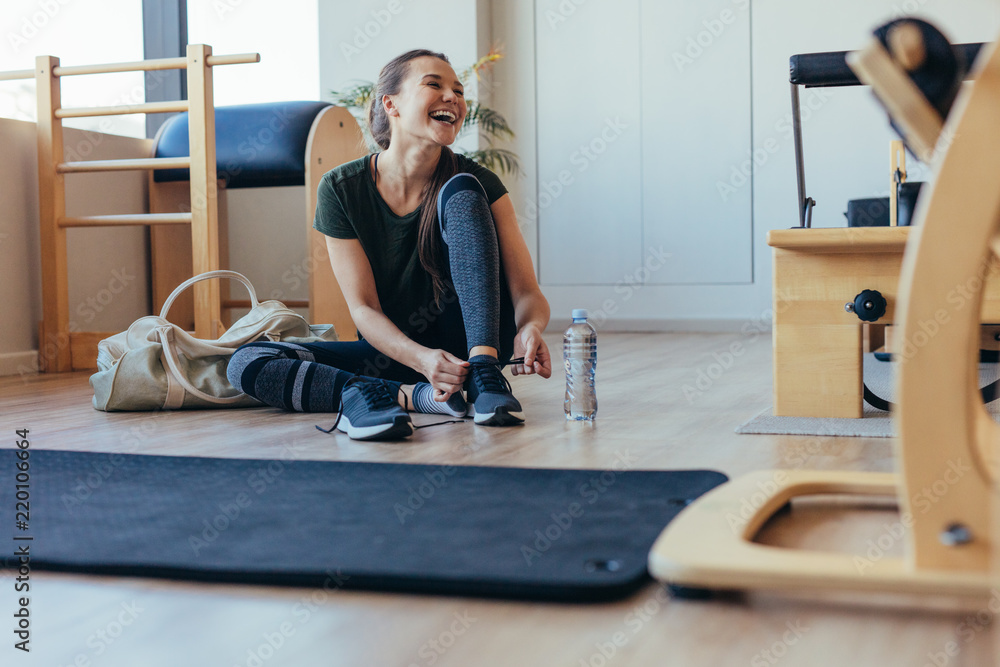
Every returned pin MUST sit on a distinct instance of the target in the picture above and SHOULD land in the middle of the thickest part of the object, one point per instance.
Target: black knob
(869, 306)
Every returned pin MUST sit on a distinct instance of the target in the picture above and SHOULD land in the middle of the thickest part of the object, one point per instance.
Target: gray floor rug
(874, 423)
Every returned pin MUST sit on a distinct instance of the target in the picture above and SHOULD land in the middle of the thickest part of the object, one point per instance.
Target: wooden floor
(669, 401)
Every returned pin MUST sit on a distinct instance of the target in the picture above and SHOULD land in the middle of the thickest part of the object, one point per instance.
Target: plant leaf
(490, 122)
(356, 97)
(497, 159)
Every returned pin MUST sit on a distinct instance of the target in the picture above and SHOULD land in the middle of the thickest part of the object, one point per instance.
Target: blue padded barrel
(256, 145)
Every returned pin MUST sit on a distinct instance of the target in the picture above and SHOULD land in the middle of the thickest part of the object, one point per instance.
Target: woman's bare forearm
(532, 309)
(386, 337)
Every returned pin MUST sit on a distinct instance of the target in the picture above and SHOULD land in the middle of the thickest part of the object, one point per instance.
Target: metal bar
(123, 165)
(129, 219)
(123, 110)
(800, 169)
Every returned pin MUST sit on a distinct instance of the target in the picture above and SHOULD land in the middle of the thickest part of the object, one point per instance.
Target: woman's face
(431, 103)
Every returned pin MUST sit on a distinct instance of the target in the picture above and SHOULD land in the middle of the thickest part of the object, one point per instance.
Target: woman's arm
(354, 274)
(531, 308)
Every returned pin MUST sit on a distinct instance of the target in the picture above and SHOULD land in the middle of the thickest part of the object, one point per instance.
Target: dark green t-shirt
(349, 206)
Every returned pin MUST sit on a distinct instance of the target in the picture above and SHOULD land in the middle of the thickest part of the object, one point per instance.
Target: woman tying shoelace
(428, 253)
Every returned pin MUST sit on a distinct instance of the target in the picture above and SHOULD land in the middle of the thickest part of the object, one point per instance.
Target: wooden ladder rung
(124, 109)
(15, 74)
(126, 219)
(124, 165)
(149, 65)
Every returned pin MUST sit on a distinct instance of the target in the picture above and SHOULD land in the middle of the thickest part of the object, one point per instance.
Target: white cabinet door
(697, 159)
(589, 173)
(643, 110)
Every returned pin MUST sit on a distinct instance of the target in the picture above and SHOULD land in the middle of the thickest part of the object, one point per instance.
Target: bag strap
(208, 275)
(166, 335)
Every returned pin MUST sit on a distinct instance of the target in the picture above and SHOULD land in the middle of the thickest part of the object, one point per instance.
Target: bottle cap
(579, 313)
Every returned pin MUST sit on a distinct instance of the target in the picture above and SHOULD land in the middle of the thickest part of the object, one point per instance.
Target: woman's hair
(390, 81)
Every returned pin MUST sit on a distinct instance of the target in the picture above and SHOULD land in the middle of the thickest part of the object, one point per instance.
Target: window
(78, 32)
(286, 39)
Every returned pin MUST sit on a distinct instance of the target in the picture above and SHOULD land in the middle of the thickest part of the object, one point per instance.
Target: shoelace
(376, 395)
(487, 380)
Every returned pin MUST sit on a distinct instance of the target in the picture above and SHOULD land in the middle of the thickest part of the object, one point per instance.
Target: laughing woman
(427, 250)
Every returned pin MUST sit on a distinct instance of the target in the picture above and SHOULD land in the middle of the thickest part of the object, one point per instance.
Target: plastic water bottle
(580, 360)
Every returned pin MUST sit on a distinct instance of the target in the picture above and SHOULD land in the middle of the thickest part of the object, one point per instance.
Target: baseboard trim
(16, 363)
(637, 325)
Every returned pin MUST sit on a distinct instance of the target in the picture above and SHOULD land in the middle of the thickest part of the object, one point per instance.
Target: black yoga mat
(498, 532)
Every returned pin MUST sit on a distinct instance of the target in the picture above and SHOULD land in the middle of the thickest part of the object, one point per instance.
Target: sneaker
(369, 411)
(489, 395)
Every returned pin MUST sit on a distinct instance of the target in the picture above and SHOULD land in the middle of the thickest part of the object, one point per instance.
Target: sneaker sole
(499, 418)
(456, 413)
(400, 427)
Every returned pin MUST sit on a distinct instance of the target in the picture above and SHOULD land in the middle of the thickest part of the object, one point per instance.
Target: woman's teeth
(443, 116)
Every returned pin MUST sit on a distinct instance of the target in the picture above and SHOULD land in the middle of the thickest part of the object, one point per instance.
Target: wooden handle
(906, 44)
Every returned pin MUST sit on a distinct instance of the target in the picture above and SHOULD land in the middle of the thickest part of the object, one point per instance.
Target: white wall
(846, 136)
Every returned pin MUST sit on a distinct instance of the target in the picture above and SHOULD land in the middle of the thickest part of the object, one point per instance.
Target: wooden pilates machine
(947, 439)
(55, 339)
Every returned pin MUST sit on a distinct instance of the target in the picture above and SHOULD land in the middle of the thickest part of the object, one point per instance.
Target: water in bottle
(580, 360)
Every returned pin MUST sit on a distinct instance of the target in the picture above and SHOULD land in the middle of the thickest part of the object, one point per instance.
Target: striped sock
(423, 401)
(284, 375)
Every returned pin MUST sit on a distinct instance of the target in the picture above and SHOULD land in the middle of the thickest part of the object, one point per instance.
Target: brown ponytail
(390, 81)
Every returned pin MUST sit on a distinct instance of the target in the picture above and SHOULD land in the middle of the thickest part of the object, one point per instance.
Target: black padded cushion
(830, 69)
(256, 145)
(508, 532)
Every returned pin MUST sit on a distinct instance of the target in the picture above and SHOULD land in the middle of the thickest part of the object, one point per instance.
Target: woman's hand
(528, 343)
(445, 372)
